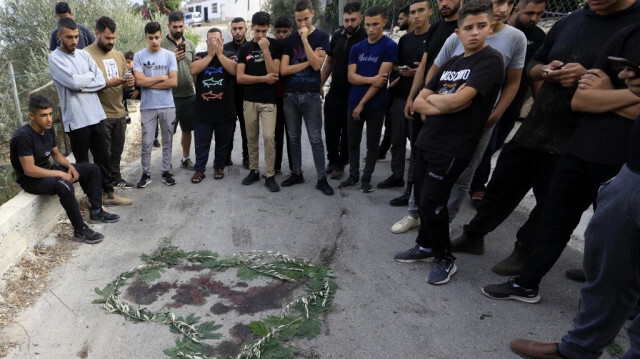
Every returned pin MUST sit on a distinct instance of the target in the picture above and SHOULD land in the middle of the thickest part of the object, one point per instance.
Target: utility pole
(341, 4)
(16, 99)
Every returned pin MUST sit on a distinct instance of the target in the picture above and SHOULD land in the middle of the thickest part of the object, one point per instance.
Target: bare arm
(509, 91)
(450, 103)
(326, 70)
(315, 61)
(31, 170)
(423, 107)
(229, 65)
(416, 85)
(245, 79)
(198, 66)
(595, 94)
(286, 69)
(169, 83)
(385, 68)
(144, 81)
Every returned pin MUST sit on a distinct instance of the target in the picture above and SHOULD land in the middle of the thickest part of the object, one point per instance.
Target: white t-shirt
(155, 64)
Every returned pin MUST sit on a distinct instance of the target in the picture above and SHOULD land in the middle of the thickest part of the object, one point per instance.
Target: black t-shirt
(307, 80)
(27, 142)
(214, 92)
(535, 37)
(634, 147)
(438, 33)
(409, 51)
(233, 48)
(339, 49)
(579, 37)
(457, 134)
(604, 137)
(252, 57)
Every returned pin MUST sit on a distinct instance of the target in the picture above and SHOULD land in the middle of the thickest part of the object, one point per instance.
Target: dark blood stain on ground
(189, 268)
(140, 292)
(220, 308)
(242, 284)
(230, 348)
(250, 301)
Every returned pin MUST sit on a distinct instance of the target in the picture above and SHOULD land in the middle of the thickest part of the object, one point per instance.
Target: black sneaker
(401, 201)
(441, 271)
(576, 274)
(349, 182)
(144, 181)
(270, 183)
(104, 217)
(293, 179)
(468, 244)
(253, 176)
(156, 143)
(330, 168)
(365, 186)
(228, 162)
(414, 254)
(87, 235)
(511, 290)
(167, 178)
(324, 187)
(122, 184)
(338, 172)
(391, 182)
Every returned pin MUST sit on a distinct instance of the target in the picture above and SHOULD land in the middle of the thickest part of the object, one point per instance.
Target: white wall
(226, 9)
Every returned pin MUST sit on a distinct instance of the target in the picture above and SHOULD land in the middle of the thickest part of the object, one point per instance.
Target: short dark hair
(104, 23)
(38, 102)
(523, 3)
(214, 29)
(283, 21)
(176, 16)
(476, 7)
(429, 5)
(63, 8)
(237, 19)
(302, 5)
(152, 27)
(404, 10)
(67, 22)
(128, 55)
(376, 10)
(261, 18)
(351, 7)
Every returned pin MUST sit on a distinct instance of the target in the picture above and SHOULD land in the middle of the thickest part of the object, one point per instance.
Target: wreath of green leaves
(299, 319)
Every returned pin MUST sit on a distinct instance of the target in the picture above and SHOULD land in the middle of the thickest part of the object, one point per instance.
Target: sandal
(197, 177)
(219, 173)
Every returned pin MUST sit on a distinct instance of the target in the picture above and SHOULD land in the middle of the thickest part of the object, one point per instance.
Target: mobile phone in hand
(622, 62)
(182, 47)
(127, 75)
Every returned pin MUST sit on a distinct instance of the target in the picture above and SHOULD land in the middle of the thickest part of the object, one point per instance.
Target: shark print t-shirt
(214, 92)
(27, 142)
(456, 134)
(155, 64)
(252, 57)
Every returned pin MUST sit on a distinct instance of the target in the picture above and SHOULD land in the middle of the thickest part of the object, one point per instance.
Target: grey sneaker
(144, 181)
(414, 254)
(441, 271)
(511, 290)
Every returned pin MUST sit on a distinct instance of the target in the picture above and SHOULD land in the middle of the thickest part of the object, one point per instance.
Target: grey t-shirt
(155, 64)
(510, 42)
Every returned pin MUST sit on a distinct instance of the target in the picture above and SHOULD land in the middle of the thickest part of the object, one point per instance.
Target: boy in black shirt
(284, 28)
(258, 65)
(32, 146)
(457, 102)
(301, 63)
(214, 101)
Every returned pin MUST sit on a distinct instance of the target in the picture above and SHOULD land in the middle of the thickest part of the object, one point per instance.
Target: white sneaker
(405, 224)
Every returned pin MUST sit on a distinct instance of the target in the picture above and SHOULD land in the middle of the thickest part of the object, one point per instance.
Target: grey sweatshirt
(77, 79)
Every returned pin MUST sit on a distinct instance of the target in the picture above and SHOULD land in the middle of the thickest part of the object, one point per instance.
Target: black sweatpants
(434, 177)
(336, 133)
(238, 99)
(518, 169)
(374, 120)
(573, 189)
(93, 138)
(90, 182)
(281, 127)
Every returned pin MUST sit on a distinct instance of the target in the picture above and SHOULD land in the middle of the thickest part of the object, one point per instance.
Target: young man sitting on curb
(32, 146)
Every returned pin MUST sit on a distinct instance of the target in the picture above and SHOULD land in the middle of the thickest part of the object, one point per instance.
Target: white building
(225, 10)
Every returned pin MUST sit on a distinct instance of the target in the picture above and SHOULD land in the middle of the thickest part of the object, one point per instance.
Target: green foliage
(193, 36)
(299, 319)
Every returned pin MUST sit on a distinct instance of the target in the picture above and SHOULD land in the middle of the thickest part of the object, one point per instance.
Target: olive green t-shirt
(111, 64)
(185, 80)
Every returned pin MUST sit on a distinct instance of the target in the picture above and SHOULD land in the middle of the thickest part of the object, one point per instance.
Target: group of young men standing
(454, 88)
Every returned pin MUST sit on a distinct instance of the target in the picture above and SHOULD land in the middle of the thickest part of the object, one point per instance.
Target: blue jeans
(307, 106)
(611, 266)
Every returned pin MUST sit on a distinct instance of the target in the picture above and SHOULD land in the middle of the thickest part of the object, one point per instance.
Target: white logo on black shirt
(455, 75)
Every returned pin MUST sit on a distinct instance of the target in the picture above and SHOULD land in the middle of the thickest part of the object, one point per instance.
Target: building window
(214, 8)
(198, 8)
(191, 9)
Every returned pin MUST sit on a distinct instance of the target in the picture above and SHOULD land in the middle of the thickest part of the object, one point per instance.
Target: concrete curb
(27, 218)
